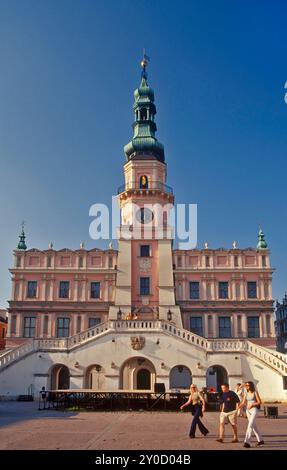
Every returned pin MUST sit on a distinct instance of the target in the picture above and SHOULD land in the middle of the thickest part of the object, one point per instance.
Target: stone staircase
(270, 358)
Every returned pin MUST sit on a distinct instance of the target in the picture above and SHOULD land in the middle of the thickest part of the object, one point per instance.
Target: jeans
(251, 415)
(196, 421)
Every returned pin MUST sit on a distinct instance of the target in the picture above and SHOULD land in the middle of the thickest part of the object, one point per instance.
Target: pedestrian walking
(197, 408)
(229, 402)
(252, 401)
(239, 390)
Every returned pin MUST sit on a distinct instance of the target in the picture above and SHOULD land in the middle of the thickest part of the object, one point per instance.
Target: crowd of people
(244, 401)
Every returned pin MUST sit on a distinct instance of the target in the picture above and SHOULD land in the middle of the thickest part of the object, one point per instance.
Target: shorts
(230, 417)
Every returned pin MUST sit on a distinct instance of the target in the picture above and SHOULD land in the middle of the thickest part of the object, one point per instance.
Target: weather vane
(23, 223)
(144, 62)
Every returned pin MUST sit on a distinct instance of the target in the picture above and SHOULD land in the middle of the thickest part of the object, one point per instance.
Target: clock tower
(145, 281)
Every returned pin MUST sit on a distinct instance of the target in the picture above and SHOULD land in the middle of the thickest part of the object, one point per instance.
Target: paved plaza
(22, 426)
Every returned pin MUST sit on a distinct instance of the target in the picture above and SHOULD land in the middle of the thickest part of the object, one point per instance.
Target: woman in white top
(198, 407)
(252, 401)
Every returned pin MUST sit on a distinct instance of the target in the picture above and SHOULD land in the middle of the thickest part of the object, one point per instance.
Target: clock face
(144, 215)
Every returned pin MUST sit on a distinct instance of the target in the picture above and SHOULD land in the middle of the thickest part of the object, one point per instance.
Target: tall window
(251, 290)
(144, 286)
(95, 290)
(236, 261)
(111, 262)
(207, 261)
(194, 290)
(143, 182)
(223, 290)
(145, 250)
(253, 327)
(94, 321)
(32, 289)
(63, 327)
(264, 261)
(224, 327)
(179, 261)
(196, 325)
(64, 289)
(29, 327)
(81, 261)
(49, 261)
(18, 262)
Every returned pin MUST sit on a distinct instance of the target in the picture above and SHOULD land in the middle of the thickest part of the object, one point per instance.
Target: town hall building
(144, 313)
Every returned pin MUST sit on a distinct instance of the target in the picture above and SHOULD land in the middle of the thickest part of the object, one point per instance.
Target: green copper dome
(22, 244)
(144, 141)
(261, 245)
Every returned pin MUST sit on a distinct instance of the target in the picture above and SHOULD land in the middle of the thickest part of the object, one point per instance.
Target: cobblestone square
(22, 426)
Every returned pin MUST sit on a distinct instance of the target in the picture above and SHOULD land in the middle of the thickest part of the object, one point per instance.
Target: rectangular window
(144, 286)
(179, 261)
(253, 327)
(224, 327)
(94, 321)
(32, 289)
(95, 290)
(236, 261)
(49, 261)
(223, 290)
(264, 261)
(111, 262)
(251, 290)
(207, 262)
(145, 250)
(194, 290)
(64, 289)
(196, 325)
(79, 324)
(63, 327)
(81, 262)
(45, 325)
(29, 327)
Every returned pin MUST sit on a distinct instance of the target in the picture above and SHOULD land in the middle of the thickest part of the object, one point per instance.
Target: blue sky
(68, 71)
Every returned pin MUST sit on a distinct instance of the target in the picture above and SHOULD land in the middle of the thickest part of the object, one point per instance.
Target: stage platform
(111, 400)
(116, 400)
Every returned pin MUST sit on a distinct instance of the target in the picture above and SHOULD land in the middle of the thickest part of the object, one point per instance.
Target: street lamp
(169, 315)
(119, 314)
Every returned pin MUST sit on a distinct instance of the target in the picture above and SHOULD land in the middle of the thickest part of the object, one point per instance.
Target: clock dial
(144, 215)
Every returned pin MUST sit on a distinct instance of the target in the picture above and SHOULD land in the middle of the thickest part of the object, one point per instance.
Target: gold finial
(144, 62)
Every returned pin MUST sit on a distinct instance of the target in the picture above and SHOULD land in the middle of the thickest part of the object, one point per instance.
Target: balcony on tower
(151, 187)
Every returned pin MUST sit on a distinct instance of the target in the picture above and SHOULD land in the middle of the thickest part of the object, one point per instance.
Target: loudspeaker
(159, 388)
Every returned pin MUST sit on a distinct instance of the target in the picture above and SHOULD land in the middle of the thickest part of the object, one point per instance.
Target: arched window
(180, 377)
(143, 114)
(143, 182)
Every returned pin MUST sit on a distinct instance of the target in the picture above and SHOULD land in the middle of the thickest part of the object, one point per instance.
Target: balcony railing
(152, 186)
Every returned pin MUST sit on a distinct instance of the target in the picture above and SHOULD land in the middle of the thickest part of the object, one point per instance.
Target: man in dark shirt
(229, 402)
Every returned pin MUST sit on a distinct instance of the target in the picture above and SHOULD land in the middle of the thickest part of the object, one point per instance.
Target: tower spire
(261, 245)
(22, 244)
(144, 142)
